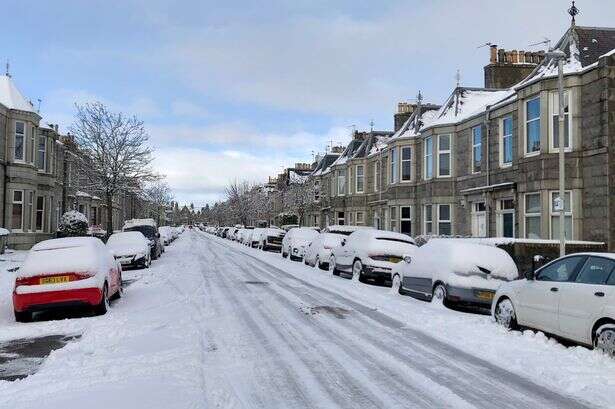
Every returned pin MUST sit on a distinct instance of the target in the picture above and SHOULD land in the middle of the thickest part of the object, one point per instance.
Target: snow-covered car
(150, 230)
(130, 248)
(271, 239)
(572, 297)
(345, 230)
(288, 227)
(75, 271)
(370, 254)
(296, 241)
(454, 271)
(318, 252)
(257, 236)
(166, 234)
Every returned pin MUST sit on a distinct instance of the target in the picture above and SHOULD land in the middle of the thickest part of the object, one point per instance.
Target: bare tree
(159, 196)
(113, 150)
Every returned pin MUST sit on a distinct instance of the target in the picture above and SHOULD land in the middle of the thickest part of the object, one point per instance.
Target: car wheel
(505, 314)
(23, 316)
(317, 263)
(439, 295)
(332, 268)
(396, 285)
(604, 340)
(120, 290)
(357, 271)
(103, 306)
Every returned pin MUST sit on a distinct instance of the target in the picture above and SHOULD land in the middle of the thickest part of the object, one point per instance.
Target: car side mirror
(530, 275)
(407, 259)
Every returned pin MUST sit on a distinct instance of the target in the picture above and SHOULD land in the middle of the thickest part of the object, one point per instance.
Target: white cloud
(183, 108)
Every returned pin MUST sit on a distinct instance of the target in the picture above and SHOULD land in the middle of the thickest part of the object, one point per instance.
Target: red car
(75, 271)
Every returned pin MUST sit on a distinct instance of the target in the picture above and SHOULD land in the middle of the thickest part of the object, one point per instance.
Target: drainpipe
(488, 168)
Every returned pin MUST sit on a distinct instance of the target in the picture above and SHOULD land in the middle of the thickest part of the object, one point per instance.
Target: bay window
(532, 126)
(427, 219)
(555, 213)
(359, 179)
(17, 213)
(506, 144)
(444, 220)
(341, 182)
(376, 176)
(20, 141)
(555, 121)
(405, 220)
(41, 159)
(532, 215)
(393, 163)
(444, 155)
(406, 163)
(477, 149)
(40, 213)
(428, 154)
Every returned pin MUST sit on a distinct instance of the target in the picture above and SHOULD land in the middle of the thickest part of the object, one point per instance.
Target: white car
(255, 238)
(454, 271)
(344, 229)
(296, 240)
(73, 271)
(130, 248)
(318, 252)
(166, 234)
(271, 239)
(370, 254)
(572, 297)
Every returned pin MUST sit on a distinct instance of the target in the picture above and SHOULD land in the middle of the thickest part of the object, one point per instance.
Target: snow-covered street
(215, 324)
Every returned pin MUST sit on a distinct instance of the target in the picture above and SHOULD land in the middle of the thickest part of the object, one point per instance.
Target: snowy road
(277, 341)
(214, 324)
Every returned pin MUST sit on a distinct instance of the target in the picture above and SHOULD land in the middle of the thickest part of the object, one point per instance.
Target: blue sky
(238, 89)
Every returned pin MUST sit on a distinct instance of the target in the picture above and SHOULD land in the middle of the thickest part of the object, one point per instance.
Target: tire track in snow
(383, 377)
(479, 386)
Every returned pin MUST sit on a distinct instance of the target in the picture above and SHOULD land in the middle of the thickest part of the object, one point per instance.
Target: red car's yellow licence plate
(54, 280)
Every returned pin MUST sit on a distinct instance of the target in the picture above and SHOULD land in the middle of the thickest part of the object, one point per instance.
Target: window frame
(526, 125)
(554, 115)
(38, 152)
(449, 220)
(19, 202)
(42, 212)
(357, 178)
(362, 218)
(376, 176)
(502, 144)
(341, 182)
(553, 213)
(402, 161)
(430, 221)
(426, 155)
(24, 136)
(527, 215)
(393, 219)
(448, 152)
(480, 147)
(405, 219)
(393, 166)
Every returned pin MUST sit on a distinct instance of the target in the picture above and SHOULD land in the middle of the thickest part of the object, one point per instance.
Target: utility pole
(560, 202)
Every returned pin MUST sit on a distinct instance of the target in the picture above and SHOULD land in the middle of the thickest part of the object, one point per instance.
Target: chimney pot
(514, 56)
(501, 57)
(493, 57)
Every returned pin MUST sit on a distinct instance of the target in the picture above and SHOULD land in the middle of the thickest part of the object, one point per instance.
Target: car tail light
(35, 280)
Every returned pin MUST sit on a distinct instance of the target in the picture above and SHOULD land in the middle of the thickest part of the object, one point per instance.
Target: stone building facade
(485, 163)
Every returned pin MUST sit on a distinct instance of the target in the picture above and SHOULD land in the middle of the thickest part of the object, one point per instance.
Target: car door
(582, 300)
(345, 252)
(538, 299)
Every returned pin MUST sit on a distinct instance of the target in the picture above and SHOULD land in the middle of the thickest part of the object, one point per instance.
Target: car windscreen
(148, 231)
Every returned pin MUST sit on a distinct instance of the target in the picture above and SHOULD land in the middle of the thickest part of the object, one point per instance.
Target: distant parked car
(454, 271)
(572, 297)
(166, 234)
(319, 250)
(370, 254)
(74, 271)
(130, 249)
(296, 240)
(150, 231)
(271, 239)
(255, 238)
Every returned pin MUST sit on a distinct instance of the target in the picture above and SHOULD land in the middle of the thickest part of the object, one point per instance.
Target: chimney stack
(507, 68)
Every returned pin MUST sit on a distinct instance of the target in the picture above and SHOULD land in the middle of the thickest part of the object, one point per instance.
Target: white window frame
(405, 219)
(527, 215)
(444, 152)
(376, 176)
(393, 219)
(554, 115)
(430, 222)
(341, 182)
(552, 213)
(33, 146)
(38, 151)
(42, 229)
(449, 220)
(342, 219)
(427, 155)
(500, 212)
(24, 147)
(502, 144)
(361, 178)
(527, 122)
(402, 161)
(360, 220)
(393, 166)
(474, 146)
(22, 203)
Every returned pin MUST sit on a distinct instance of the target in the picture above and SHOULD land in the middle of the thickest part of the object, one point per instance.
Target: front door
(539, 298)
(582, 300)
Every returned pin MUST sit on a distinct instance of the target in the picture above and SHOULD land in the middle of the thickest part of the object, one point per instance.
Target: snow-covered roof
(11, 97)
(348, 152)
(415, 123)
(324, 165)
(465, 103)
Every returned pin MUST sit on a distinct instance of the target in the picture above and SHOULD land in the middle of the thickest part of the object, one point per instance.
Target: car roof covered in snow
(344, 229)
(139, 222)
(71, 254)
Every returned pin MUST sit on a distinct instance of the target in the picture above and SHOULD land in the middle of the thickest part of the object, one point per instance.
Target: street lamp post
(560, 204)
